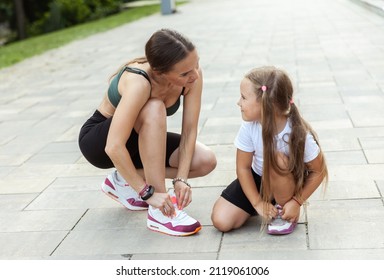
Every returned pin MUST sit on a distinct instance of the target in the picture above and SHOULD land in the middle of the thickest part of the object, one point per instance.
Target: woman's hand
(183, 194)
(163, 202)
(291, 211)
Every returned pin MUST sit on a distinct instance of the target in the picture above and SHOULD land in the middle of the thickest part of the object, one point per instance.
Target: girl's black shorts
(235, 195)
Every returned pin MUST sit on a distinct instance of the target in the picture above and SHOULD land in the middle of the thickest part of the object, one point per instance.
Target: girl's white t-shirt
(249, 139)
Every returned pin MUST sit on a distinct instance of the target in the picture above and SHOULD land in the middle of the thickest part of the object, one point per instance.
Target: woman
(129, 132)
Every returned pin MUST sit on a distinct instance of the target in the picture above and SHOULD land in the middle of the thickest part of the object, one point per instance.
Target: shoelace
(179, 213)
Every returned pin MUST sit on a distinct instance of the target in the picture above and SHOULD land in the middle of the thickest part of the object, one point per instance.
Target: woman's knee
(205, 159)
(153, 113)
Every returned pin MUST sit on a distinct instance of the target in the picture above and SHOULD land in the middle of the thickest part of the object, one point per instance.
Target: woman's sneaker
(279, 226)
(180, 225)
(123, 193)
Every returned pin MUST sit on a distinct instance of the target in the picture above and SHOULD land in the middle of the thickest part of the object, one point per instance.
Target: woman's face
(185, 72)
(249, 105)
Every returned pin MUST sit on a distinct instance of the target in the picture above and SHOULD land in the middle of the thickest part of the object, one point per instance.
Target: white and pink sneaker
(122, 192)
(179, 225)
(279, 226)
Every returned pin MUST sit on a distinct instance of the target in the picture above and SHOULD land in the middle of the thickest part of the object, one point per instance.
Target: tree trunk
(20, 19)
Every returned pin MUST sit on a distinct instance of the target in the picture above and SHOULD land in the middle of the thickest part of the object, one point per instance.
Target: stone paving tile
(375, 156)
(24, 185)
(16, 245)
(180, 256)
(54, 158)
(16, 202)
(359, 189)
(39, 221)
(373, 149)
(380, 186)
(338, 124)
(316, 113)
(212, 139)
(130, 241)
(306, 254)
(81, 169)
(346, 157)
(249, 240)
(111, 218)
(346, 224)
(361, 118)
(72, 184)
(356, 172)
(339, 144)
(70, 200)
(216, 178)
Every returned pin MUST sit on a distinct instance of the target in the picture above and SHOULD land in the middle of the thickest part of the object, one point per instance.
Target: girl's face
(185, 72)
(249, 106)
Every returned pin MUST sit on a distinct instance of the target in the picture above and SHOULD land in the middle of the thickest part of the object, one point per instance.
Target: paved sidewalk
(375, 6)
(51, 206)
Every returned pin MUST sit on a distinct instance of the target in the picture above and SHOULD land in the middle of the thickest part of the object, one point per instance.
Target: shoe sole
(107, 190)
(162, 229)
(283, 232)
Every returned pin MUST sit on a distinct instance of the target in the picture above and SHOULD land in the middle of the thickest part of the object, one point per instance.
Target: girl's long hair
(278, 99)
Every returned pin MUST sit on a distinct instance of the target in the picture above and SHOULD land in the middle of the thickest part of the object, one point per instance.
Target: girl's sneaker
(123, 193)
(180, 225)
(279, 226)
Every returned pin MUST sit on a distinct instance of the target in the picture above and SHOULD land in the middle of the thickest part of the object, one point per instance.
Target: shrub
(66, 13)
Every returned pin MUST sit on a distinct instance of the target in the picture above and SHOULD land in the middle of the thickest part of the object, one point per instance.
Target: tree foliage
(42, 16)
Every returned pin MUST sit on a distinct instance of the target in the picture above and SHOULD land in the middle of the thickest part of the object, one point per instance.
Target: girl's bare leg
(227, 216)
(282, 185)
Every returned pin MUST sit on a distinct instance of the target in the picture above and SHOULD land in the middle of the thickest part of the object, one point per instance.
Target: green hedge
(66, 13)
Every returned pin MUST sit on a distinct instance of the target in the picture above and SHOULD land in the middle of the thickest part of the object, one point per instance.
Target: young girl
(279, 162)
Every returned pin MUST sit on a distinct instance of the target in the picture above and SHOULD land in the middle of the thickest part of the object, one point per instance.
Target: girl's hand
(266, 210)
(291, 211)
(183, 194)
(163, 202)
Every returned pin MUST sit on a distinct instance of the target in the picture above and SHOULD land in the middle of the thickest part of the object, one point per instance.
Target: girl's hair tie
(263, 88)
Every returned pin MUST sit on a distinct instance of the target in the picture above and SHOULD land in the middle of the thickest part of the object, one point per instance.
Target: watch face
(148, 192)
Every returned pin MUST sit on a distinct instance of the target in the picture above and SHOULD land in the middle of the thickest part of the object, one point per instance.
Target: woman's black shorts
(93, 138)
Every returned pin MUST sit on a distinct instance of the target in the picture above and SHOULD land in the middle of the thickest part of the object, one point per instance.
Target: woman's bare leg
(203, 162)
(152, 129)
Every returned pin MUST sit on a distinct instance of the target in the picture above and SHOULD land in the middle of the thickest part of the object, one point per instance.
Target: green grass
(18, 51)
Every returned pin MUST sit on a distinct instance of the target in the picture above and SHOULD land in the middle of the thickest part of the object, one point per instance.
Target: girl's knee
(220, 222)
(226, 217)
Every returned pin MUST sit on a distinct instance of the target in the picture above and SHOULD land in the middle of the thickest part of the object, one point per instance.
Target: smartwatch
(147, 192)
